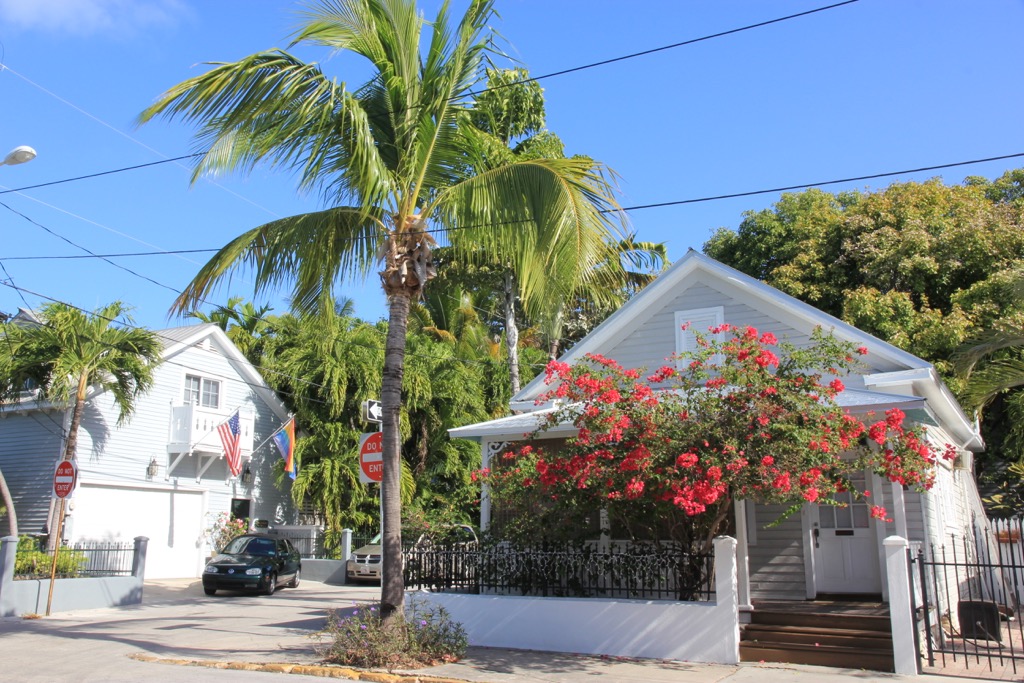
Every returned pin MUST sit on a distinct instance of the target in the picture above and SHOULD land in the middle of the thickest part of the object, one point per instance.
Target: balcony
(193, 429)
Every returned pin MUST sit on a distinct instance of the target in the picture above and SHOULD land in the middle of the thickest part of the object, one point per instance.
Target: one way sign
(372, 411)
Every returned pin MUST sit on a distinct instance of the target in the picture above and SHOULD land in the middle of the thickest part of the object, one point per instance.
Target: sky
(871, 87)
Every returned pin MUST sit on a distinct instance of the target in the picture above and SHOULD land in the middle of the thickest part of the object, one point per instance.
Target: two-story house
(163, 474)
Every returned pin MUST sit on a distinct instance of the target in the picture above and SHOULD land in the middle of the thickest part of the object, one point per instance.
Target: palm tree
(70, 351)
(388, 156)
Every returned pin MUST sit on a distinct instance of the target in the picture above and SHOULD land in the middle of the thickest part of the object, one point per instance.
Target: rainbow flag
(285, 440)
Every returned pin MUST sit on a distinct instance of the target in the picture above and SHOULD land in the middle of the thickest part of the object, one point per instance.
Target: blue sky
(871, 87)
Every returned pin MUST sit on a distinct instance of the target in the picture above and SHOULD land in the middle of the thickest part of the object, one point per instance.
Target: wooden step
(859, 622)
(865, 640)
(820, 655)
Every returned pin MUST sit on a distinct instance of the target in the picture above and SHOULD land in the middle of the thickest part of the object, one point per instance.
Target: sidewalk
(177, 625)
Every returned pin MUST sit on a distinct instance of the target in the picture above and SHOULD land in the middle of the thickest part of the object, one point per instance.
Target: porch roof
(517, 427)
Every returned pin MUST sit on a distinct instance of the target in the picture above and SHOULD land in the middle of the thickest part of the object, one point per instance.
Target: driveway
(176, 620)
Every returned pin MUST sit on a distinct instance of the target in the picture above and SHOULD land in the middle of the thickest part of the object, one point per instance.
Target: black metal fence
(968, 594)
(636, 570)
(81, 560)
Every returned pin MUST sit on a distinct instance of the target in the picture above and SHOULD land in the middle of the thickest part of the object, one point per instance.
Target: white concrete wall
(688, 631)
(657, 629)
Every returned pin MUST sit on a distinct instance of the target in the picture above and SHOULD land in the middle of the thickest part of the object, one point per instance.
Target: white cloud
(89, 17)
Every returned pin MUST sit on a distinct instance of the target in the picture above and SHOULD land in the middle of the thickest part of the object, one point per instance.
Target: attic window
(700, 320)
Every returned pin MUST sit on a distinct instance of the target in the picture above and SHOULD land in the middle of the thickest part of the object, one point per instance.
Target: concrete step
(818, 655)
(859, 622)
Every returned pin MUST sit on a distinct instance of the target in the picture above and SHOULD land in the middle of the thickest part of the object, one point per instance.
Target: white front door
(845, 546)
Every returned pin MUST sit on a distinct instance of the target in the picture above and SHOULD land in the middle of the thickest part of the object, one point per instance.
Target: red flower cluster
(734, 419)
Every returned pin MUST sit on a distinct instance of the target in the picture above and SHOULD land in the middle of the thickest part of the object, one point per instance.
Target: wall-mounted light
(247, 477)
(153, 469)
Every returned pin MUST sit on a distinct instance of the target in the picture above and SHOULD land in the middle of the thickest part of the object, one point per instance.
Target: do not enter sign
(64, 478)
(371, 458)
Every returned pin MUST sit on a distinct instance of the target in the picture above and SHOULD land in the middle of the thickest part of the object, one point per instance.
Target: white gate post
(897, 570)
(727, 590)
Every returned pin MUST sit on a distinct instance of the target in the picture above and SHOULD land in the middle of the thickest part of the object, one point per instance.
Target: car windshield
(247, 545)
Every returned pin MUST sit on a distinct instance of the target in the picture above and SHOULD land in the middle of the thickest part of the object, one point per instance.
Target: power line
(168, 252)
(475, 93)
(637, 207)
(663, 48)
(101, 173)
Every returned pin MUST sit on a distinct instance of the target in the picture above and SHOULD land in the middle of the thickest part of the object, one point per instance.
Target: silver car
(364, 563)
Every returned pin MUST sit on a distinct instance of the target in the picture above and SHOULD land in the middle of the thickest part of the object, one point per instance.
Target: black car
(253, 562)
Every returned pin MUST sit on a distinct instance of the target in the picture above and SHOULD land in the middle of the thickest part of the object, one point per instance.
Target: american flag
(230, 438)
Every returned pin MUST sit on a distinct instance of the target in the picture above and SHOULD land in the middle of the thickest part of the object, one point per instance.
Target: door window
(851, 513)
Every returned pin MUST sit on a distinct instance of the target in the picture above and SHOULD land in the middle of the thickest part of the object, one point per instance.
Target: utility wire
(475, 93)
(101, 173)
(663, 48)
(637, 207)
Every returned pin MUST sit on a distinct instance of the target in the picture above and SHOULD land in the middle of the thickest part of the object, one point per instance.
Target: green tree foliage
(70, 351)
(397, 160)
(924, 266)
(324, 366)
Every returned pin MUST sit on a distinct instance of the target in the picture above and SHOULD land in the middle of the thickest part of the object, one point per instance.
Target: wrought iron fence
(968, 594)
(81, 560)
(621, 570)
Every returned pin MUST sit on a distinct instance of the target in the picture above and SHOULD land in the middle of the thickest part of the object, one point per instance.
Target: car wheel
(210, 591)
(294, 583)
(271, 584)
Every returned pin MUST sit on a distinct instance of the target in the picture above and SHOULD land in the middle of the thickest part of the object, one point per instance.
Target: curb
(318, 670)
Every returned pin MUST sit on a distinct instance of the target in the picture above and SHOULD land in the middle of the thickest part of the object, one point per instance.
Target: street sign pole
(56, 551)
(65, 478)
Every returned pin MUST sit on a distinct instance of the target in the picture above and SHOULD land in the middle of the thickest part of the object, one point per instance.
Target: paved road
(178, 621)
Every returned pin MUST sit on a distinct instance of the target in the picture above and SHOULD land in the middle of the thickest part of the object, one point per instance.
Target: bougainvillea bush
(745, 416)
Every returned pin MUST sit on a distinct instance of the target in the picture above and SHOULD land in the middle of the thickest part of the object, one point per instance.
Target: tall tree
(391, 158)
(70, 351)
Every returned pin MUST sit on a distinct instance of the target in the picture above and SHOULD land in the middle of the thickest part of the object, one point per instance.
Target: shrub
(359, 637)
(224, 529)
(33, 560)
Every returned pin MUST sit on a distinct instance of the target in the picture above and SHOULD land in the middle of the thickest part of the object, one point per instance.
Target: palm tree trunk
(70, 449)
(12, 519)
(511, 332)
(392, 585)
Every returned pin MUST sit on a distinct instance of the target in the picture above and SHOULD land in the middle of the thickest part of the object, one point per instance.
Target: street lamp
(19, 155)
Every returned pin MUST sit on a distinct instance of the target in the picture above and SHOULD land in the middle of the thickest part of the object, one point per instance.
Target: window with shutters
(699, 319)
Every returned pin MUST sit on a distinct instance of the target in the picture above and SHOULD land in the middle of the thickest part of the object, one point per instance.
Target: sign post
(65, 476)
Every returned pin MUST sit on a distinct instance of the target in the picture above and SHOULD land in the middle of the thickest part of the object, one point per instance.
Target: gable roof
(178, 339)
(694, 265)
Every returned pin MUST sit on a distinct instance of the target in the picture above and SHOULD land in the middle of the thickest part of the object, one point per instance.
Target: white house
(163, 474)
(824, 550)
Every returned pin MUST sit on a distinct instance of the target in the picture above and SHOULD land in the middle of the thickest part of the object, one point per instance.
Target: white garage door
(172, 520)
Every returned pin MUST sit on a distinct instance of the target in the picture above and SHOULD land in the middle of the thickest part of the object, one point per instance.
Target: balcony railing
(194, 428)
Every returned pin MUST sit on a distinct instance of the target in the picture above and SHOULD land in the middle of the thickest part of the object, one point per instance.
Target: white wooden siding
(777, 560)
(30, 444)
(110, 455)
(653, 339)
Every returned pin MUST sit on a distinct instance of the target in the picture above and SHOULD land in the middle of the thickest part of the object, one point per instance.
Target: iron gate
(967, 596)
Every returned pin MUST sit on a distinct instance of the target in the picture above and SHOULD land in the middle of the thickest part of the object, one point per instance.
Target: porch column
(905, 654)
(742, 562)
(487, 450)
(726, 593)
(899, 510)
